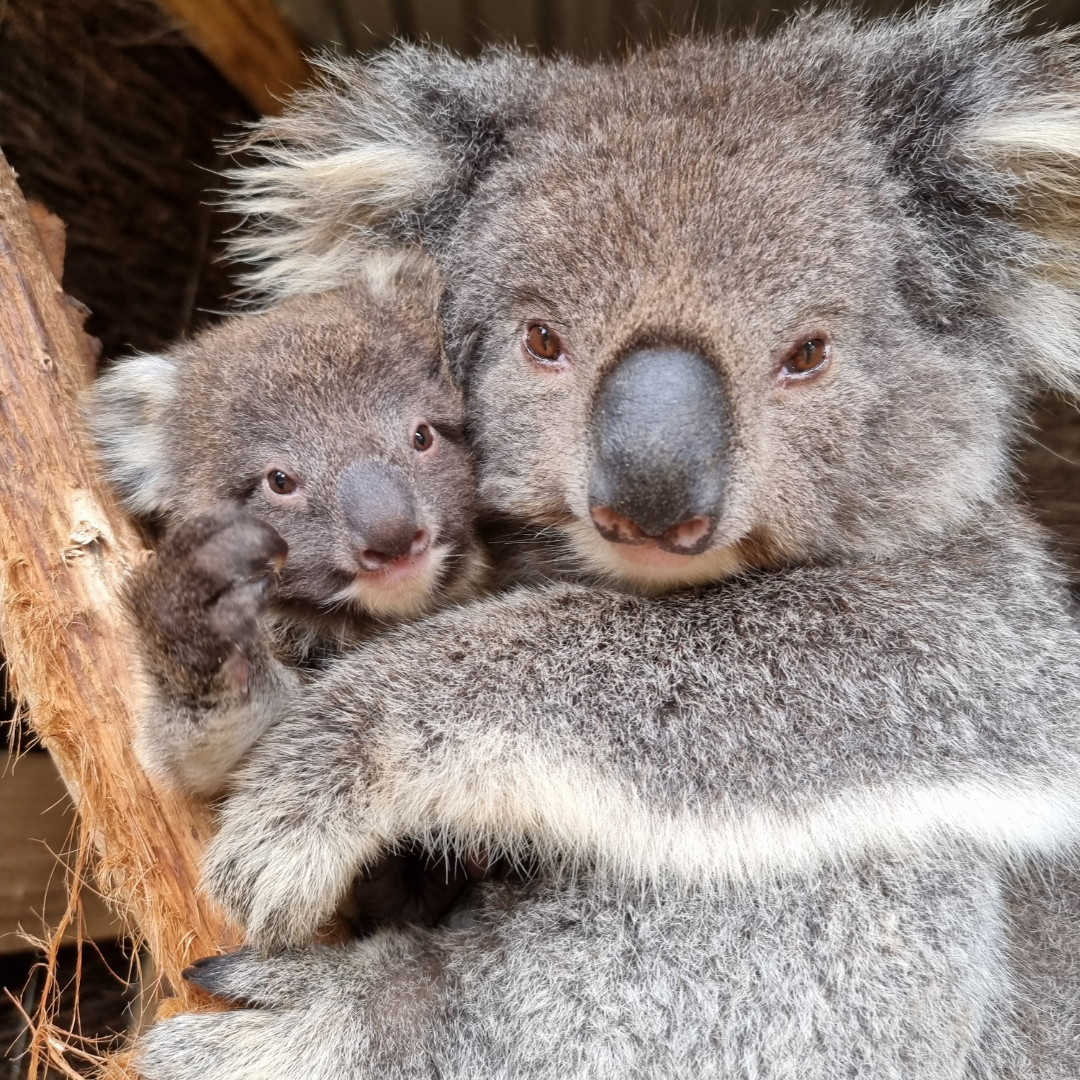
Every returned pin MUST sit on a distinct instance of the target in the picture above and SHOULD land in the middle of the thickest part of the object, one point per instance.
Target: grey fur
(817, 820)
(317, 386)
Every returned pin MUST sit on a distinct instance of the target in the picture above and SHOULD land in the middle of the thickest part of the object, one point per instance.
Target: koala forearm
(722, 765)
(193, 731)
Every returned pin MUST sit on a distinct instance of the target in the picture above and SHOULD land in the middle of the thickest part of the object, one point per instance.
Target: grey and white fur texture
(758, 316)
(308, 466)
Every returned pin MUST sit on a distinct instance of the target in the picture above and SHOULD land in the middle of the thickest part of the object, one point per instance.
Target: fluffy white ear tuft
(127, 412)
(386, 271)
(379, 155)
(1035, 145)
(348, 166)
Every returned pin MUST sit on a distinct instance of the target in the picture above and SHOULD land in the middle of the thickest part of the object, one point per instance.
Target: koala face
(703, 316)
(727, 303)
(330, 417)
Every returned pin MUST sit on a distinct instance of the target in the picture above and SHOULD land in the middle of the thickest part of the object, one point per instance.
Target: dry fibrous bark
(111, 118)
(65, 547)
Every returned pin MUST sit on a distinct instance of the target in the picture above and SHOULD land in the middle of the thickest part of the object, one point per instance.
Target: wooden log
(249, 43)
(65, 547)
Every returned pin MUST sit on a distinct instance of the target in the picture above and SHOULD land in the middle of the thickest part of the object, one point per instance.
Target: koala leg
(212, 681)
(322, 1013)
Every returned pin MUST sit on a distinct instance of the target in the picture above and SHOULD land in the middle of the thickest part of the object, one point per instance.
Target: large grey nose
(661, 425)
(380, 513)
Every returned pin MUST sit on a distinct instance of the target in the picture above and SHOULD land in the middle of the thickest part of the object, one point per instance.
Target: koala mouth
(689, 537)
(649, 567)
(398, 588)
(391, 572)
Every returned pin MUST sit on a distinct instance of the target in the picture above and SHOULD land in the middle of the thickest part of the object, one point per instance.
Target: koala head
(723, 304)
(333, 418)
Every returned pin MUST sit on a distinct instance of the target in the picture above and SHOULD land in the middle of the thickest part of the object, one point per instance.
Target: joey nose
(660, 428)
(380, 514)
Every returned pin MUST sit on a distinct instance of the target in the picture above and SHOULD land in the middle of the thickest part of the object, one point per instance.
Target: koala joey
(308, 466)
(758, 316)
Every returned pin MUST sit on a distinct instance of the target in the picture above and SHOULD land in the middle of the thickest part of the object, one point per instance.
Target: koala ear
(381, 153)
(127, 411)
(982, 128)
(1034, 142)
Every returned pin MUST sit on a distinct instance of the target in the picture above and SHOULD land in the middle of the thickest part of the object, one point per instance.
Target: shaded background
(584, 27)
(112, 120)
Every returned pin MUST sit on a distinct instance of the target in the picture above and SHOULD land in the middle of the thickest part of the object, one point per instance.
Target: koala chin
(307, 466)
(764, 310)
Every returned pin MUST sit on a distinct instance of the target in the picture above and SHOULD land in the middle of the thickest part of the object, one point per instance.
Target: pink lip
(398, 570)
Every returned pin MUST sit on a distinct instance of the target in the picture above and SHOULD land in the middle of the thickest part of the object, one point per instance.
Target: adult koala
(765, 311)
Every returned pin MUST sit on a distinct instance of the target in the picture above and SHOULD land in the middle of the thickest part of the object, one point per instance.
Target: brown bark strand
(65, 546)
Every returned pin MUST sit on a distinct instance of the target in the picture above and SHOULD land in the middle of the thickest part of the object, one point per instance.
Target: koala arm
(212, 681)
(193, 733)
(765, 726)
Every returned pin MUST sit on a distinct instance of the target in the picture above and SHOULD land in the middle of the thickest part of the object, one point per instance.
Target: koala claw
(242, 977)
(287, 980)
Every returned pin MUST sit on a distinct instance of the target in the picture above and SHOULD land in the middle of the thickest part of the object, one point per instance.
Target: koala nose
(661, 425)
(380, 513)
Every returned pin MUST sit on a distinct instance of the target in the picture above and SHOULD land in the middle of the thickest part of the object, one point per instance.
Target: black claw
(208, 972)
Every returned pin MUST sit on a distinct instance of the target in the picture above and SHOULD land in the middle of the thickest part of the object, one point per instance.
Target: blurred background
(584, 27)
(111, 112)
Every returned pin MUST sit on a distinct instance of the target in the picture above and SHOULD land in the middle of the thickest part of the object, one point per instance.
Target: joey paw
(201, 598)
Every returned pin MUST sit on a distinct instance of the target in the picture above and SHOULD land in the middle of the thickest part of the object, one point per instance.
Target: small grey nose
(661, 425)
(380, 513)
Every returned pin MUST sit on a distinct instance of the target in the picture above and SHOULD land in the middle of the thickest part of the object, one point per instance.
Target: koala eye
(544, 345)
(280, 483)
(423, 438)
(806, 358)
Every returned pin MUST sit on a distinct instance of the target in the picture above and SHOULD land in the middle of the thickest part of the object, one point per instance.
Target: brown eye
(423, 438)
(807, 357)
(281, 483)
(543, 345)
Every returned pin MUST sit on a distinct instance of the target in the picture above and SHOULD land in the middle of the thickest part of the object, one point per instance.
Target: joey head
(307, 465)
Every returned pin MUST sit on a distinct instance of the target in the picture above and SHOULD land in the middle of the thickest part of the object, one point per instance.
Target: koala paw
(279, 872)
(304, 1016)
(200, 600)
(251, 1044)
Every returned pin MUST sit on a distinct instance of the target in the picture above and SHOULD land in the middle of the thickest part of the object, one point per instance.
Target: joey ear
(127, 412)
(981, 126)
(380, 153)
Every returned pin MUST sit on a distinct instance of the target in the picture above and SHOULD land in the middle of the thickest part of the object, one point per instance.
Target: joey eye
(544, 345)
(807, 357)
(423, 438)
(281, 483)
